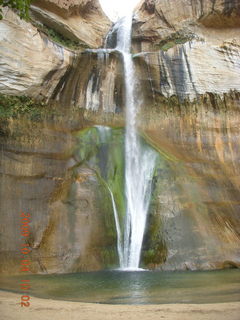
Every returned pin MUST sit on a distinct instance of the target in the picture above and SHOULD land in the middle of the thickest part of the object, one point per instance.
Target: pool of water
(146, 287)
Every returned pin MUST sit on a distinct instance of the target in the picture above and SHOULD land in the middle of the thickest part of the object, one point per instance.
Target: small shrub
(59, 38)
(13, 106)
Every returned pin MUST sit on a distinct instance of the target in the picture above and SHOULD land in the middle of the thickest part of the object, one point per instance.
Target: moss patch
(101, 150)
(59, 38)
(154, 250)
(104, 154)
(174, 39)
(13, 106)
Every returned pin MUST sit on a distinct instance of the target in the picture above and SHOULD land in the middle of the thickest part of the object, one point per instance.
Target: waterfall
(119, 233)
(105, 135)
(139, 160)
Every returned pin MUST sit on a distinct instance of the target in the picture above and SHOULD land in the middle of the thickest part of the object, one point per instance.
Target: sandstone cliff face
(31, 64)
(94, 82)
(197, 189)
(70, 211)
(49, 169)
(184, 58)
(184, 54)
(159, 18)
(81, 20)
(187, 62)
(189, 51)
(191, 69)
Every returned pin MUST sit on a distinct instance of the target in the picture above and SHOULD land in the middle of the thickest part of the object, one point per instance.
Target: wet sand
(46, 309)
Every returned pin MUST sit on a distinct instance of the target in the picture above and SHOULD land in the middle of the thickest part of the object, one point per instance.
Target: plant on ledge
(21, 7)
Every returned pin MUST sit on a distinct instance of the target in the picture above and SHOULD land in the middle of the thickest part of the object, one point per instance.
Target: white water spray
(119, 233)
(139, 160)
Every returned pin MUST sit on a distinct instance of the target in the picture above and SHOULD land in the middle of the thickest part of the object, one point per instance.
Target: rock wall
(191, 69)
(54, 170)
(158, 18)
(187, 60)
(186, 55)
(197, 187)
(31, 64)
(71, 218)
(94, 82)
(81, 20)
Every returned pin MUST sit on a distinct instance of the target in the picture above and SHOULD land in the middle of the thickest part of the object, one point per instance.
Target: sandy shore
(43, 309)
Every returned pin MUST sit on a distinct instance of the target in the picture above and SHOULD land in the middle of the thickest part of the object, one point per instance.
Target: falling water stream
(139, 161)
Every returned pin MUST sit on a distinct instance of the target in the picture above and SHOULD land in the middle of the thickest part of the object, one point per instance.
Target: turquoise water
(146, 287)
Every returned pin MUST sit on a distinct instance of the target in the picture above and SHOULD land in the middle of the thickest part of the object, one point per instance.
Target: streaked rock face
(33, 65)
(81, 20)
(30, 63)
(187, 57)
(159, 18)
(187, 62)
(195, 201)
(191, 69)
(197, 192)
(94, 82)
(187, 54)
(70, 211)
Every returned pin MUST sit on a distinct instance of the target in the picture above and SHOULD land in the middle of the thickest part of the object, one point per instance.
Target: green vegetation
(174, 39)
(101, 150)
(105, 156)
(21, 6)
(59, 38)
(108, 256)
(155, 250)
(13, 106)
